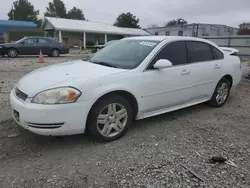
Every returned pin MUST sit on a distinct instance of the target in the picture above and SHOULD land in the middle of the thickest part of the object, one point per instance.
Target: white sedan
(133, 78)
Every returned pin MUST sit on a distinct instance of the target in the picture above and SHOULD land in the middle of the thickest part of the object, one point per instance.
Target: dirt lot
(149, 155)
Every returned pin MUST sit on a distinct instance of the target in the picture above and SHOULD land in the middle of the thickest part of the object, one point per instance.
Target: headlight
(57, 96)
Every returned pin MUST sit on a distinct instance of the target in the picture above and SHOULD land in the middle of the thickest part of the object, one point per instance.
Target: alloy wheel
(112, 120)
(12, 53)
(55, 53)
(222, 93)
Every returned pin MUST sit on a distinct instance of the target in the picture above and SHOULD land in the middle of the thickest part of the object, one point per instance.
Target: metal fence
(242, 43)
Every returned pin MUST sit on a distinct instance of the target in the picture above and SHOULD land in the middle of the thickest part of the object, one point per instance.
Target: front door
(29, 47)
(169, 87)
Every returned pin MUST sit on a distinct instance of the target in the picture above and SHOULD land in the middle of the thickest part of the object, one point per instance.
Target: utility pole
(197, 31)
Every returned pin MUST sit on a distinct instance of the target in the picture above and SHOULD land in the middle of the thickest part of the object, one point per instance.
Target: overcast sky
(228, 12)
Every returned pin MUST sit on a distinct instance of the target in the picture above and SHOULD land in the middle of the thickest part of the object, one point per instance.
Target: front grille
(21, 95)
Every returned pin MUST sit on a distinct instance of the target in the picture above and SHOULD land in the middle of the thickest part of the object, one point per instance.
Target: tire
(55, 53)
(103, 122)
(221, 93)
(12, 52)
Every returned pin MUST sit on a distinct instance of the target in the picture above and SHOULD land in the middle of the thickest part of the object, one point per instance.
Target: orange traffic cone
(41, 59)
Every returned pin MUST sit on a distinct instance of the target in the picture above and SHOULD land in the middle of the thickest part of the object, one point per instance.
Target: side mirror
(162, 64)
(22, 42)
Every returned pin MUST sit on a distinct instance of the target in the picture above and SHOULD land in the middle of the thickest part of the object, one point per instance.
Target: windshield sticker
(145, 43)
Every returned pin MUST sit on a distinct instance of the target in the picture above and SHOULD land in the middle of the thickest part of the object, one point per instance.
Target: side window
(30, 41)
(199, 51)
(175, 52)
(43, 41)
(217, 54)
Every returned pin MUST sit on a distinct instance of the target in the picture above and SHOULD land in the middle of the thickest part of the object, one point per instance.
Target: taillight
(65, 44)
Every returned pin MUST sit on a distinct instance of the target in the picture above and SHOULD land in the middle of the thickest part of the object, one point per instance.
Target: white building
(194, 30)
(87, 33)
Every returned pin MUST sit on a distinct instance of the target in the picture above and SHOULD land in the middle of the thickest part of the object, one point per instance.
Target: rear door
(205, 70)
(45, 45)
(28, 47)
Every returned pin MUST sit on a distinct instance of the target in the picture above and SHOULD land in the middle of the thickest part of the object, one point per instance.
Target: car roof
(37, 37)
(169, 38)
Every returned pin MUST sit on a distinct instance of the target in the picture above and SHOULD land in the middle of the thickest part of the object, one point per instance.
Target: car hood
(63, 74)
(7, 44)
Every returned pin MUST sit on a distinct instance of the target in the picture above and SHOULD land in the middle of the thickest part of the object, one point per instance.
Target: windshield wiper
(104, 64)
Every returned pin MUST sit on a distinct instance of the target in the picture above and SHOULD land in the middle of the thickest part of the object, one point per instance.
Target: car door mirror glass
(162, 64)
(22, 42)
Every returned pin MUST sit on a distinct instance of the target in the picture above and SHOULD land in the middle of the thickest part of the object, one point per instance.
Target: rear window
(43, 41)
(199, 52)
(217, 53)
(55, 41)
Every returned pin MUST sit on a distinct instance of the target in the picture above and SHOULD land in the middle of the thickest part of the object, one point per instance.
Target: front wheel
(12, 53)
(221, 93)
(110, 118)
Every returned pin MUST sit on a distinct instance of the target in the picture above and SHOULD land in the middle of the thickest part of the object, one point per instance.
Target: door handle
(185, 72)
(216, 66)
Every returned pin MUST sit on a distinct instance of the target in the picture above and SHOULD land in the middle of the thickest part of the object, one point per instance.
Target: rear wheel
(110, 118)
(221, 93)
(55, 53)
(12, 53)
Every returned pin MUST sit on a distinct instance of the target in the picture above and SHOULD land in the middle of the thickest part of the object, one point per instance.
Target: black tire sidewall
(91, 123)
(213, 100)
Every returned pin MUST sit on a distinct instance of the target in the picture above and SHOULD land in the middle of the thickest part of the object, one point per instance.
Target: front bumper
(2, 51)
(50, 120)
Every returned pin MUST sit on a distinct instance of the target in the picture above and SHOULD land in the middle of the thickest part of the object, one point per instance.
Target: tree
(56, 9)
(75, 14)
(23, 10)
(178, 21)
(39, 22)
(244, 29)
(152, 26)
(127, 20)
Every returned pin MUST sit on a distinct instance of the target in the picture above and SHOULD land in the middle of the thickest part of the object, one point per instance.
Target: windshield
(110, 42)
(124, 54)
(20, 40)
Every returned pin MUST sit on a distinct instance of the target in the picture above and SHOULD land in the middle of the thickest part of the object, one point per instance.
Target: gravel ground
(150, 155)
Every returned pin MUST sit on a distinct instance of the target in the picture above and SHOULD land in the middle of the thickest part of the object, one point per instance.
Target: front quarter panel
(92, 90)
